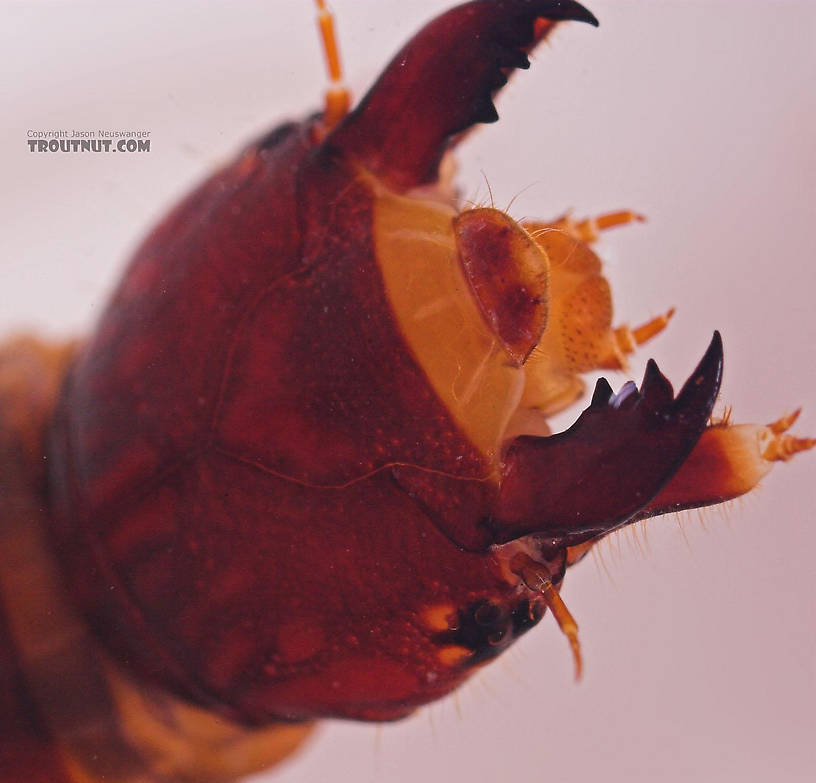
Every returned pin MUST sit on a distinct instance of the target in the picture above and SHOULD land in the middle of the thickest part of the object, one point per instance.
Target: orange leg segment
(537, 577)
(589, 229)
(338, 97)
(626, 339)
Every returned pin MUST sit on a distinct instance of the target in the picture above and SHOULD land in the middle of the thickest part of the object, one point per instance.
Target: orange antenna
(537, 577)
(338, 97)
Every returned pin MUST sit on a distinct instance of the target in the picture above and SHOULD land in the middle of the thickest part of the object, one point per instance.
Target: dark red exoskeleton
(303, 468)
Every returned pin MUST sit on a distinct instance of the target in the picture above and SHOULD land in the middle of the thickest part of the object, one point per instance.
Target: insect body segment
(364, 407)
(335, 492)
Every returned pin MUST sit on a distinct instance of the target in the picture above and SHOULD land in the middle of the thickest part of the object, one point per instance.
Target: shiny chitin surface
(303, 467)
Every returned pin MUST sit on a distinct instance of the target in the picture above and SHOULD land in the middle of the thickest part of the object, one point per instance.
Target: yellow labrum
(502, 318)
(438, 314)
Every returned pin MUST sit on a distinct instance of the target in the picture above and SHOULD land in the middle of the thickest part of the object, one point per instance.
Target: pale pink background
(700, 647)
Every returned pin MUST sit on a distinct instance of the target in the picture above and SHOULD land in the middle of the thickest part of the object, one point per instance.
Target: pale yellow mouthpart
(440, 320)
